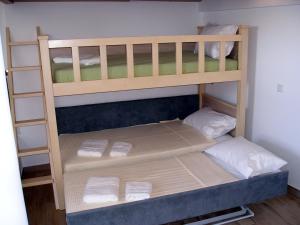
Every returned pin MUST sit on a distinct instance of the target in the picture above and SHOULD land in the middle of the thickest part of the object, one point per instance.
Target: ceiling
(13, 1)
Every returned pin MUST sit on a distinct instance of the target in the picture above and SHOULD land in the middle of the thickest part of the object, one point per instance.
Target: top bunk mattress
(117, 67)
(149, 142)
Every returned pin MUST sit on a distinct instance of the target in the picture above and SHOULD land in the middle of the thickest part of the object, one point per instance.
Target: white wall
(12, 206)
(217, 5)
(272, 116)
(88, 20)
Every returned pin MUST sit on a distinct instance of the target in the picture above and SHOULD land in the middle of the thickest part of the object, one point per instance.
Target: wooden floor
(279, 211)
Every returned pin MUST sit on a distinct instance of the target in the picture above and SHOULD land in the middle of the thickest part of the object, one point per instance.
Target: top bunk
(82, 66)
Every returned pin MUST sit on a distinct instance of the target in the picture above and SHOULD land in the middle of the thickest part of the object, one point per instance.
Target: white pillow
(245, 157)
(210, 123)
(86, 61)
(212, 49)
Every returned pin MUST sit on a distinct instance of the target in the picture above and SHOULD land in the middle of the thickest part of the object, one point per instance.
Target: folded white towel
(86, 61)
(120, 148)
(136, 191)
(101, 190)
(92, 148)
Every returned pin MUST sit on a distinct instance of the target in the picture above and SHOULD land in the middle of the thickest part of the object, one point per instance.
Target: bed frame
(155, 81)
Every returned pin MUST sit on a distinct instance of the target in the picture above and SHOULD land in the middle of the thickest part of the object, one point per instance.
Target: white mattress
(149, 142)
(168, 176)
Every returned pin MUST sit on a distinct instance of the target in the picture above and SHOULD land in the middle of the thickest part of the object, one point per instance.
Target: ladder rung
(24, 123)
(24, 68)
(36, 181)
(20, 43)
(28, 94)
(33, 151)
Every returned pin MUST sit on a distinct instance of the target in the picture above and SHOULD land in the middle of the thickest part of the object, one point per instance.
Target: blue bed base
(169, 208)
(185, 205)
(85, 118)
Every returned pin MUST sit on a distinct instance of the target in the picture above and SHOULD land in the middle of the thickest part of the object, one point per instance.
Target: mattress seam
(190, 172)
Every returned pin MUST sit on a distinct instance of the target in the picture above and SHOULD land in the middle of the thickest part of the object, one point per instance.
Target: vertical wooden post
(201, 93)
(103, 62)
(10, 79)
(178, 58)
(76, 64)
(130, 61)
(201, 67)
(242, 84)
(201, 57)
(50, 107)
(155, 59)
(222, 56)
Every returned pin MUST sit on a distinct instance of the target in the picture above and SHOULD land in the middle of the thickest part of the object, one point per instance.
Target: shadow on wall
(280, 150)
(252, 56)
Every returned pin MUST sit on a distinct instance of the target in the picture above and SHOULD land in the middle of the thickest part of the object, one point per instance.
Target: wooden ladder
(40, 180)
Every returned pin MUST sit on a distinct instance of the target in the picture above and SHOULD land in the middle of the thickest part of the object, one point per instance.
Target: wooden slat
(155, 60)
(36, 181)
(178, 58)
(130, 61)
(33, 122)
(76, 64)
(139, 40)
(61, 89)
(201, 57)
(28, 94)
(33, 151)
(222, 56)
(219, 105)
(103, 62)
(24, 68)
(23, 43)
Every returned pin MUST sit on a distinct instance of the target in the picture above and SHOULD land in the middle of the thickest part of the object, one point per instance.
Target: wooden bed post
(242, 84)
(53, 134)
(201, 69)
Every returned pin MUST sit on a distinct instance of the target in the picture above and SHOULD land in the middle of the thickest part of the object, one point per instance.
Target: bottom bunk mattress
(182, 187)
(148, 142)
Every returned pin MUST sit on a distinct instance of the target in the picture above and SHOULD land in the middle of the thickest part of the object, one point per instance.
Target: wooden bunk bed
(131, 82)
(105, 83)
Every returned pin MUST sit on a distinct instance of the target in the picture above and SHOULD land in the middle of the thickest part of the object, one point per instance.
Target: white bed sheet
(168, 176)
(149, 142)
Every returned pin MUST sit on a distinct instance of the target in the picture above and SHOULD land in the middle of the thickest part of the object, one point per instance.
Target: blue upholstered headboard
(84, 118)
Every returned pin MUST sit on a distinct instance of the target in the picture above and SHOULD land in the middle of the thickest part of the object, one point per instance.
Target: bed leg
(201, 93)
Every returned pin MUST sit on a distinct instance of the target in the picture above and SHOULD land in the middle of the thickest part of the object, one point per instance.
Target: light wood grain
(130, 61)
(178, 58)
(219, 105)
(53, 134)
(222, 59)
(139, 40)
(61, 89)
(242, 84)
(76, 64)
(103, 62)
(155, 59)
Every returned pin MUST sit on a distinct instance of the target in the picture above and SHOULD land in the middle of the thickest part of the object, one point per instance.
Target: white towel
(120, 148)
(92, 148)
(136, 191)
(101, 190)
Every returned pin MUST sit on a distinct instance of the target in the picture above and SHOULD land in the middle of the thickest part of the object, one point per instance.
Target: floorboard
(284, 210)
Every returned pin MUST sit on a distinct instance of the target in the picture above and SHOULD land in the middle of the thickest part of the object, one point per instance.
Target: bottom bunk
(182, 187)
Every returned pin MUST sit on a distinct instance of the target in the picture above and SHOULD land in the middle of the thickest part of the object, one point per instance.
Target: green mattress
(117, 67)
